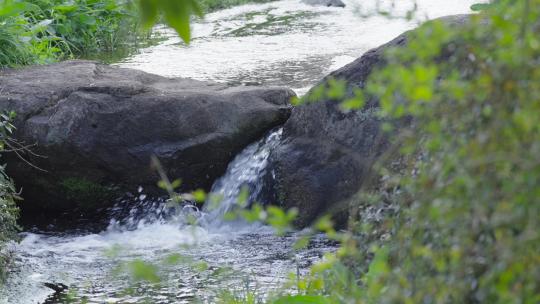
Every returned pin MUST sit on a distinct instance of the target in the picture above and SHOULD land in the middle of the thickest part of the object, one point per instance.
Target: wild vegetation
(43, 31)
(8, 210)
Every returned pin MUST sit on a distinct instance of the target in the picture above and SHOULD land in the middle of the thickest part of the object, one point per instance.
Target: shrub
(468, 226)
(86, 26)
(15, 45)
(42, 31)
(8, 210)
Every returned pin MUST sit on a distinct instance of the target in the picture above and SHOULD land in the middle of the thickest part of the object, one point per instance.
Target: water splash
(245, 171)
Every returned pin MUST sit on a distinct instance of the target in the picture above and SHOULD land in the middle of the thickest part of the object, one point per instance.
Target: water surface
(285, 43)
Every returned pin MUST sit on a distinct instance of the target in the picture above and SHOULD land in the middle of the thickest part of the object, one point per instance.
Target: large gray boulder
(97, 127)
(326, 154)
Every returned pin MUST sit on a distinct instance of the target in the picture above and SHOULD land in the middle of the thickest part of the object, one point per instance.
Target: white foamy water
(284, 43)
(280, 43)
(246, 170)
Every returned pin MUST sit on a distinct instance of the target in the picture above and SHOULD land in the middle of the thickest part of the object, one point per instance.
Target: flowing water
(244, 173)
(284, 43)
(195, 253)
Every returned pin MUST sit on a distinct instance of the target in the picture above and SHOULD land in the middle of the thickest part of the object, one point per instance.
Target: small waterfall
(246, 170)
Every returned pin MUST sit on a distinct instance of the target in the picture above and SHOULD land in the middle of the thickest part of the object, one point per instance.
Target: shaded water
(280, 43)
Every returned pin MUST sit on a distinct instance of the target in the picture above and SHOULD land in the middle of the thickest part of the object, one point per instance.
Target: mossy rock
(85, 193)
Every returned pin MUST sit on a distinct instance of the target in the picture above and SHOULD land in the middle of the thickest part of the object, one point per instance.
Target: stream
(196, 253)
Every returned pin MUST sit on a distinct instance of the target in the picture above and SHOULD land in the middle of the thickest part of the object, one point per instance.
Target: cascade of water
(135, 211)
(246, 170)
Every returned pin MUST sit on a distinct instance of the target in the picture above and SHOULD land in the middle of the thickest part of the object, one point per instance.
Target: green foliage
(142, 271)
(301, 299)
(471, 230)
(279, 219)
(9, 214)
(85, 27)
(468, 229)
(42, 31)
(86, 193)
(468, 187)
(8, 210)
(15, 45)
(176, 13)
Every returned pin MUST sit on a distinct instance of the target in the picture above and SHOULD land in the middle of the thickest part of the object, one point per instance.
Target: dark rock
(326, 154)
(98, 127)
(329, 3)
(59, 295)
(57, 287)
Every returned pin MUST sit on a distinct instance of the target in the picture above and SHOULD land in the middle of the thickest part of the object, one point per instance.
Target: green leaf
(214, 200)
(201, 266)
(336, 88)
(480, 6)
(199, 195)
(66, 8)
(354, 103)
(243, 196)
(179, 21)
(324, 224)
(87, 19)
(142, 271)
(296, 101)
(176, 258)
(149, 12)
(302, 299)
(302, 242)
(176, 183)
